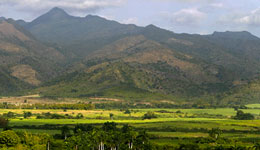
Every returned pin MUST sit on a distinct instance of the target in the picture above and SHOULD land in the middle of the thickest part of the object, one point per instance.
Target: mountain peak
(151, 26)
(55, 14)
(58, 12)
(233, 34)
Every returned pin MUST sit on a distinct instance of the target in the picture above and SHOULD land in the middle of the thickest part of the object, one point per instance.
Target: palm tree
(142, 141)
(99, 138)
(215, 133)
(113, 139)
(65, 131)
(256, 146)
(129, 135)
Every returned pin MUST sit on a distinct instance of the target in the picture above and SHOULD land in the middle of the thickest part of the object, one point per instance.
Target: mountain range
(59, 55)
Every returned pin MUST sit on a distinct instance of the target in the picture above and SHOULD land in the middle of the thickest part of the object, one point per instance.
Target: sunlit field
(170, 127)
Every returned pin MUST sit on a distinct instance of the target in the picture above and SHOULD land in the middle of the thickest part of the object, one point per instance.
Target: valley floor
(170, 128)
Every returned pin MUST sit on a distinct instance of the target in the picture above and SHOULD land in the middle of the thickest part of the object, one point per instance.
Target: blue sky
(181, 16)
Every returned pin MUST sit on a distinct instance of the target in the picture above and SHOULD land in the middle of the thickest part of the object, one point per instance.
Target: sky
(180, 16)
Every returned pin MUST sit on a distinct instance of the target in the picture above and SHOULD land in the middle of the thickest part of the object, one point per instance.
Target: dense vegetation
(84, 137)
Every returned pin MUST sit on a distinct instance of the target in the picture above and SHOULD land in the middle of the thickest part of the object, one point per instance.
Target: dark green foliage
(53, 116)
(149, 115)
(110, 137)
(32, 140)
(244, 116)
(111, 116)
(65, 131)
(215, 133)
(178, 112)
(127, 111)
(57, 145)
(80, 116)
(9, 115)
(109, 126)
(256, 146)
(126, 137)
(78, 106)
(189, 146)
(82, 128)
(3, 122)
(9, 138)
(27, 114)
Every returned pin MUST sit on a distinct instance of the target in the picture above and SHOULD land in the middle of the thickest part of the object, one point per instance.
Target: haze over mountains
(67, 56)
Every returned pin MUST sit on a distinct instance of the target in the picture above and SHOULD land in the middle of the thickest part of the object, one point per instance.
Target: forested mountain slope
(93, 56)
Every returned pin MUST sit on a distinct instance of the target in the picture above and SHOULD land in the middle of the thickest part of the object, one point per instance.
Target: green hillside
(10, 84)
(245, 94)
(26, 61)
(136, 68)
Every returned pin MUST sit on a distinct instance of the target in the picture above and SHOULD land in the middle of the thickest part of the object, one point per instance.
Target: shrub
(189, 146)
(3, 122)
(127, 111)
(9, 138)
(149, 115)
(27, 114)
(244, 116)
(80, 116)
(178, 112)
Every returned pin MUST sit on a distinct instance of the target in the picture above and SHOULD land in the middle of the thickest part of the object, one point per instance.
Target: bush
(127, 111)
(190, 146)
(80, 116)
(9, 138)
(149, 115)
(244, 116)
(3, 122)
(27, 114)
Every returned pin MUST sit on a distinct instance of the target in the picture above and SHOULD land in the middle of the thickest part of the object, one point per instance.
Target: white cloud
(252, 18)
(191, 16)
(71, 5)
(217, 5)
(131, 21)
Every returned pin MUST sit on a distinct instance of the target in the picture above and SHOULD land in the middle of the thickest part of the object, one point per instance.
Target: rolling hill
(137, 68)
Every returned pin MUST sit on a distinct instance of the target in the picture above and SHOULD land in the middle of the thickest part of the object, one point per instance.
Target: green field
(253, 106)
(170, 128)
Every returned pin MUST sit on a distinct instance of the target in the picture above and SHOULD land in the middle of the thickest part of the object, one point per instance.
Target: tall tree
(65, 131)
